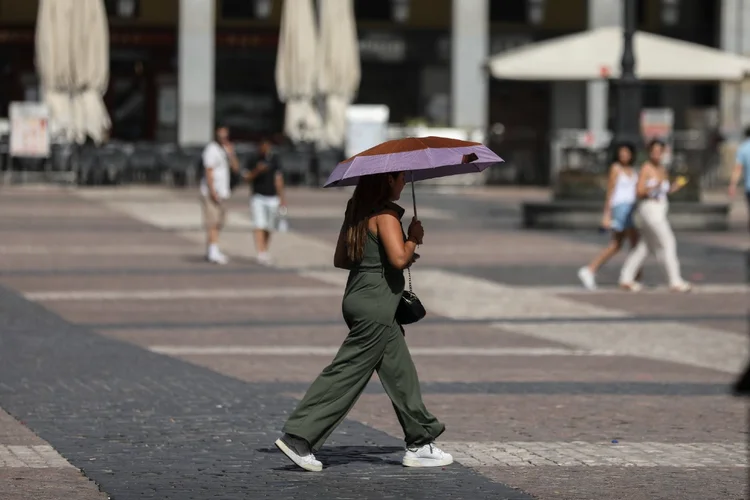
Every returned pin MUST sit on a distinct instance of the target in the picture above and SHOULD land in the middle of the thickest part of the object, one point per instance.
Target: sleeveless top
(658, 190)
(624, 190)
(374, 288)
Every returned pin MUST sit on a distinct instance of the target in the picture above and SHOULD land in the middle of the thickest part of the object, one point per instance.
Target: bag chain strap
(408, 271)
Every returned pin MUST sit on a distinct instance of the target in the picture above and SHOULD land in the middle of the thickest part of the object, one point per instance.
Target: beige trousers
(657, 238)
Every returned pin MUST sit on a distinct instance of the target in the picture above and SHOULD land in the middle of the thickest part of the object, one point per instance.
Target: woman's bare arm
(400, 253)
(613, 171)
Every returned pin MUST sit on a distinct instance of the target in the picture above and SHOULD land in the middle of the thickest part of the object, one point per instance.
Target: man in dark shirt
(266, 199)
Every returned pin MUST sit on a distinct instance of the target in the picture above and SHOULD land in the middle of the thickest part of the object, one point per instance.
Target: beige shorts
(214, 214)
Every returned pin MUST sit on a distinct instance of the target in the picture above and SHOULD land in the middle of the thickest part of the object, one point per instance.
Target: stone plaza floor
(131, 368)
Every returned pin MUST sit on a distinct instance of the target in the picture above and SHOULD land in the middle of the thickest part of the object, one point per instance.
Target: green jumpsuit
(375, 343)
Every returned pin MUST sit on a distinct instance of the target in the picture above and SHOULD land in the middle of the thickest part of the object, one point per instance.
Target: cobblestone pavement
(125, 356)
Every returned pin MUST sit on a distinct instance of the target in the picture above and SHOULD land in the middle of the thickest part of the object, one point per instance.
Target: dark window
(705, 95)
(707, 22)
(652, 95)
(123, 9)
(372, 10)
(508, 11)
(237, 9)
(641, 13)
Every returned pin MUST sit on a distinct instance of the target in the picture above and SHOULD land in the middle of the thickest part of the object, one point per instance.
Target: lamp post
(629, 101)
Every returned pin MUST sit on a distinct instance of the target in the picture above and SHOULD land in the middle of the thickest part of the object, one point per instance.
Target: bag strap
(408, 272)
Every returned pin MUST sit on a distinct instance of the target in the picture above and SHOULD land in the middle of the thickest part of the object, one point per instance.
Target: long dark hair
(372, 191)
(616, 153)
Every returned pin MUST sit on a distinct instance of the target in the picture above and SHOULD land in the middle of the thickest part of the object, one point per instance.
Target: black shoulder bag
(410, 308)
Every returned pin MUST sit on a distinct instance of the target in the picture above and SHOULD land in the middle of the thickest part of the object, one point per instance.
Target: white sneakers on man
(216, 257)
(298, 451)
(428, 455)
(264, 259)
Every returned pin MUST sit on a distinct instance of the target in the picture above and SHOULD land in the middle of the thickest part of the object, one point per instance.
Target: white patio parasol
(53, 62)
(295, 70)
(596, 54)
(90, 71)
(72, 59)
(339, 70)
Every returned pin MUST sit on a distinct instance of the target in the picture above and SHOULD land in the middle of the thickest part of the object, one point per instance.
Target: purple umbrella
(420, 157)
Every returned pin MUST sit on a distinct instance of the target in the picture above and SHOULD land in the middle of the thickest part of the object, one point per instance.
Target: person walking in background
(618, 212)
(372, 246)
(656, 233)
(742, 170)
(218, 157)
(267, 197)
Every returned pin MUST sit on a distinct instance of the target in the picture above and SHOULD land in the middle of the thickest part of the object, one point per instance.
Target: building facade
(179, 66)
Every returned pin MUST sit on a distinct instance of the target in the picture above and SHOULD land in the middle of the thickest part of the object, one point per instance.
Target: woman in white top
(657, 236)
(618, 212)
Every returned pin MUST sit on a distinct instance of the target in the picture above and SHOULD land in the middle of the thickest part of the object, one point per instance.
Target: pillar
(469, 52)
(195, 73)
(734, 101)
(602, 13)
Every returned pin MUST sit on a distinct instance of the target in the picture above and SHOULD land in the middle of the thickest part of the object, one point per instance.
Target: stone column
(602, 13)
(734, 100)
(195, 73)
(469, 53)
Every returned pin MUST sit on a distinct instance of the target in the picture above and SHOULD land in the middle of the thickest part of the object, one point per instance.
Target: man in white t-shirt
(218, 158)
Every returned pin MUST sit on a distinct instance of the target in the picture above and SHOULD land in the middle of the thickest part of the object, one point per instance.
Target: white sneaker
(428, 455)
(587, 278)
(303, 458)
(264, 259)
(218, 258)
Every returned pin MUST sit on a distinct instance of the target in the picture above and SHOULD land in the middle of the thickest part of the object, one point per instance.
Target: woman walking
(618, 212)
(373, 248)
(656, 233)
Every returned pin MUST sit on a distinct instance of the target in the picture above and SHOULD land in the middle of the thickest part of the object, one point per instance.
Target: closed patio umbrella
(53, 61)
(90, 47)
(295, 70)
(339, 70)
(72, 60)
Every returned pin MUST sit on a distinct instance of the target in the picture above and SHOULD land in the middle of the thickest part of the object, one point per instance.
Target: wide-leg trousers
(656, 237)
(369, 347)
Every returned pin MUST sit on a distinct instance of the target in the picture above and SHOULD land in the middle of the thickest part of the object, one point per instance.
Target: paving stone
(602, 454)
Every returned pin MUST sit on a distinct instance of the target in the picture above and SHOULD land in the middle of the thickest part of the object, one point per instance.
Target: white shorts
(265, 211)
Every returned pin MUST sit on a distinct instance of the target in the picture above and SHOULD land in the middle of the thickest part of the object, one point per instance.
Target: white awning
(596, 54)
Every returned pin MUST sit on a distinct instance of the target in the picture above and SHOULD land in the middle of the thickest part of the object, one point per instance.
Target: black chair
(61, 157)
(186, 165)
(296, 164)
(166, 154)
(143, 165)
(327, 161)
(85, 163)
(113, 161)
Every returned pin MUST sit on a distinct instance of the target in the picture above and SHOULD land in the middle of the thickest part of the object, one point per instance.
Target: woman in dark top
(371, 246)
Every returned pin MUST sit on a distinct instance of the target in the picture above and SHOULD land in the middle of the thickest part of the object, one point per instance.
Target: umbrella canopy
(296, 70)
(596, 54)
(90, 47)
(53, 61)
(339, 70)
(422, 157)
